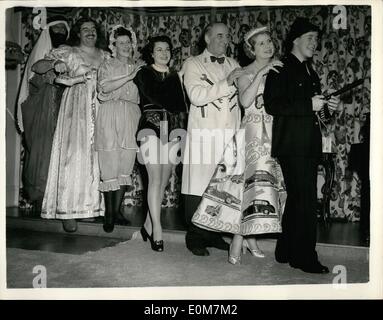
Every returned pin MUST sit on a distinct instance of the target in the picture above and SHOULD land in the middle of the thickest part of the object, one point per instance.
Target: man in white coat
(214, 117)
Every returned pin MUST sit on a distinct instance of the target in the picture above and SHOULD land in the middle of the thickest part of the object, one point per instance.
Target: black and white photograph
(191, 149)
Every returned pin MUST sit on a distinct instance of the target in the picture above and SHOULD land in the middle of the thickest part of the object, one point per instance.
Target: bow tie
(219, 60)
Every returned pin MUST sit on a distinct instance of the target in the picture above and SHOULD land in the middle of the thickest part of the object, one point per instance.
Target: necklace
(160, 68)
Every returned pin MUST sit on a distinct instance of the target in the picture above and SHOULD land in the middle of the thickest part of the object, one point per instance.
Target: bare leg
(150, 154)
(253, 246)
(166, 173)
(155, 198)
(148, 223)
(236, 246)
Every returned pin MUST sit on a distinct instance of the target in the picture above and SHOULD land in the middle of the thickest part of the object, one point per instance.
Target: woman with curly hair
(161, 100)
(117, 121)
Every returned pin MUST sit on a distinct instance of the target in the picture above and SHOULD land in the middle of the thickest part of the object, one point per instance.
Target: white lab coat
(196, 175)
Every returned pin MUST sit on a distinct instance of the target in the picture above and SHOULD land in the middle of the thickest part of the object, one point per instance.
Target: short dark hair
(74, 39)
(121, 31)
(147, 51)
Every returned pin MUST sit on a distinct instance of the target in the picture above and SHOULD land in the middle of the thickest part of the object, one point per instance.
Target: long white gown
(247, 193)
(74, 176)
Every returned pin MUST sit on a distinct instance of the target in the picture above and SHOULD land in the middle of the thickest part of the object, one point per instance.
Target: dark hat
(299, 27)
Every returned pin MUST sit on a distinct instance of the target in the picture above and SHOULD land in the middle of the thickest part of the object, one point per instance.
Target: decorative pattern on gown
(246, 194)
(73, 178)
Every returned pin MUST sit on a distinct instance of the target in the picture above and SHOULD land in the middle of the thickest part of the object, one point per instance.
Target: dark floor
(340, 233)
(56, 242)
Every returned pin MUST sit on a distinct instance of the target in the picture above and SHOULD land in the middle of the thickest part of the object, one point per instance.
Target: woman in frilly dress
(117, 121)
(73, 178)
(246, 195)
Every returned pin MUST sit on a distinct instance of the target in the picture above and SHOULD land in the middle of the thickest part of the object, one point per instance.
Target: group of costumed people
(88, 114)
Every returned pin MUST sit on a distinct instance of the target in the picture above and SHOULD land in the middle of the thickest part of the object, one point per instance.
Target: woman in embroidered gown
(117, 121)
(161, 100)
(246, 195)
(73, 177)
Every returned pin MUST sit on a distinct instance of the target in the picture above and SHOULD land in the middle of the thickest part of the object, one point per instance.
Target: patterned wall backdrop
(344, 55)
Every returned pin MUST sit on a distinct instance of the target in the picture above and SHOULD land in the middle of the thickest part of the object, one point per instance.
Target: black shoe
(70, 225)
(281, 252)
(145, 235)
(315, 268)
(108, 228)
(203, 252)
(108, 225)
(157, 245)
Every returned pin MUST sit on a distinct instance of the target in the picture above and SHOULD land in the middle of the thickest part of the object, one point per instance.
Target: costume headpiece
(252, 33)
(112, 38)
(42, 47)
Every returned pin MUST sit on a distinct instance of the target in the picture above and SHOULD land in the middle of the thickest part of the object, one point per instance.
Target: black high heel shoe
(145, 235)
(156, 245)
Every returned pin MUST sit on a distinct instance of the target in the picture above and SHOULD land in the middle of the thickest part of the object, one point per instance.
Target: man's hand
(333, 103)
(60, 66)
(235, 74)
(318, 102)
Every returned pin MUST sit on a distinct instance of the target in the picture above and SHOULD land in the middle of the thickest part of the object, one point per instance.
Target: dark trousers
(197, 237)
(297, 242)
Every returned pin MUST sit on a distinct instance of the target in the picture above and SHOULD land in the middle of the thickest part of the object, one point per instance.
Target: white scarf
(42, 47)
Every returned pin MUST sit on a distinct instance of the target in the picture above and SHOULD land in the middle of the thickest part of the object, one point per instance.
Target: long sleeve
(62, 53)
(105, 72)
(200, 93)
(42, 66)
(165, 93)
(287, 96)
(280, 98)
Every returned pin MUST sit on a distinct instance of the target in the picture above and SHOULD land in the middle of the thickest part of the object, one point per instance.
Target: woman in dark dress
(161, 100)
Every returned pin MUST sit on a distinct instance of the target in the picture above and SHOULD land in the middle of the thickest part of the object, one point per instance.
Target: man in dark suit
(293, 97)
